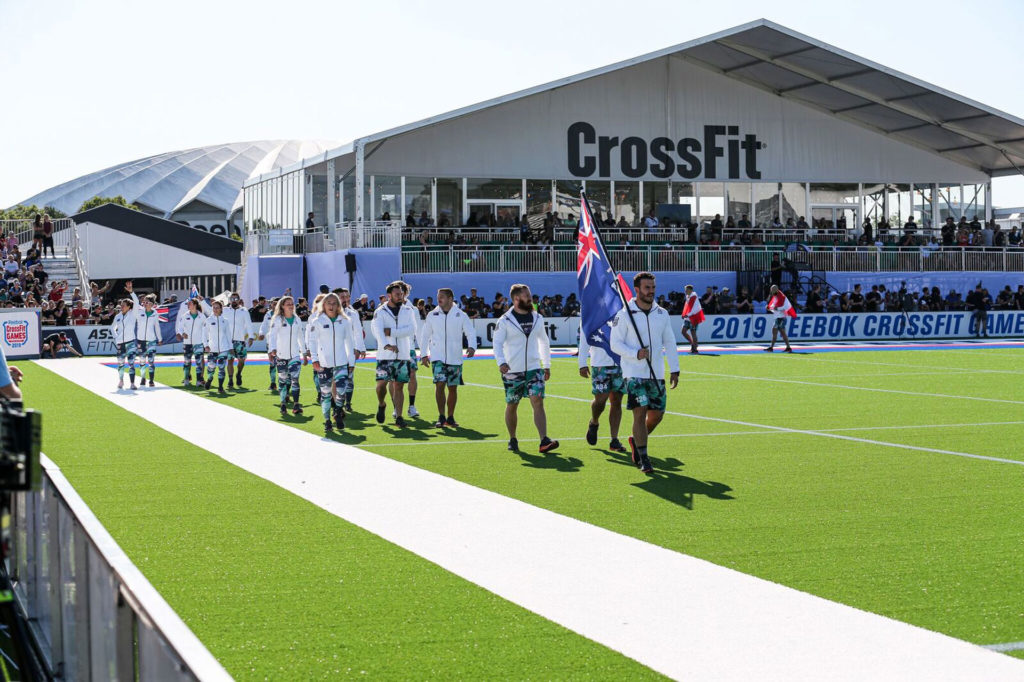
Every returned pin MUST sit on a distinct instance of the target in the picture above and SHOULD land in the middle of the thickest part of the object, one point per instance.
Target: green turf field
(928, 538)
(278, 588)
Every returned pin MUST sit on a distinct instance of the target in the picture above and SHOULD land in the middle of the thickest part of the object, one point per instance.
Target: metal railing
(77, 255)
(91, 612)
(356, 234)
(287, 241)
(24, 231)
(563, 235)
(562, 258)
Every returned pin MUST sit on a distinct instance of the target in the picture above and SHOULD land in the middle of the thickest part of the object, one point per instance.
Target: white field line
(822, 433)
(958, 370)
(1005, 646)
(859, 388)
(683, 617)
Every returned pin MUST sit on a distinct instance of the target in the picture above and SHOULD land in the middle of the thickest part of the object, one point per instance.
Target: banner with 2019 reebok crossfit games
(20, 333)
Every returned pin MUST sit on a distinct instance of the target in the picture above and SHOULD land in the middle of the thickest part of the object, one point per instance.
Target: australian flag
(168, 317)
(600, 301)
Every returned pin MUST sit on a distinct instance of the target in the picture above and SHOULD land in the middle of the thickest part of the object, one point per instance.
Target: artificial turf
(928, 538)
(278, 588)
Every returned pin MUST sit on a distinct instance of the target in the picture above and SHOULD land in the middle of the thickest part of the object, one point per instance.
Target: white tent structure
(200, 185)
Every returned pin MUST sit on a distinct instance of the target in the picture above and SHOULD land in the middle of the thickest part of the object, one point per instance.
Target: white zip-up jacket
(403, 330)
(218, 334)
(265, 325)
(240, 323)
(123, 327)
(192, 329)
(441, 335)
(359, 343)
(331, 341)
(655, 334)
(597, 355)
(147, 328)
(287, 340)
(521, 352)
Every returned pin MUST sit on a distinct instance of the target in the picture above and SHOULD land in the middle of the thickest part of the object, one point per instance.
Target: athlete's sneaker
(633, 454)
(547, 445)
(284, 409)
(380, 414)
(452, 423)
(645, 464)
(151, 384)
(133, 386)
(694, 351)
(616, 446)
(208, 383)
(120, 384)
(297, 409)
(394, 414)
(328, 427)
(186, 382)
(787, 350)
(238, 380)
(769, 349)
(339, 419)
(399, 422)
(440, 423)
(413, 412)
(513, 445)
(220, 387)
(231, 384)
(348, 406)
(273, 386)
(591, 434)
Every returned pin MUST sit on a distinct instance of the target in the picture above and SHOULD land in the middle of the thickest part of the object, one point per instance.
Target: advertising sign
(20, 333)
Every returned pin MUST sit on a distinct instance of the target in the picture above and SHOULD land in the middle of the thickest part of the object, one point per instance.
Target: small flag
(693, 309)
(193, 292)
(779, 303)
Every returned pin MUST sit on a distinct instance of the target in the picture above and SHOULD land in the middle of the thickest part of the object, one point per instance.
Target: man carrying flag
(644, 344)
(782, 309)
(693, 315)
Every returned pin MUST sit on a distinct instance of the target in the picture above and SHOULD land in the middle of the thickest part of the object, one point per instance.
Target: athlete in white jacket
(191, 331)
(607, 384)
(413, 412)
(358, 349)
(440, 342)
(394, 326)
(123, 332)
(147, 329)
(262, 334)
(242, 337)
(640, 357)
(523, 354)
(331, 336)
(286, 345)
(218, 345)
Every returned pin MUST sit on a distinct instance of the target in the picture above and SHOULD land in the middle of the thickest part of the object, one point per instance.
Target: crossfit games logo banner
(16, 333)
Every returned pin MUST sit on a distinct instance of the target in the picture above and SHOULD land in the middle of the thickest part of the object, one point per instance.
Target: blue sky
(92, 84)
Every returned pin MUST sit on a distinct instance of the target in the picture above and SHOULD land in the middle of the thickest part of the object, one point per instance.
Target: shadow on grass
(551, 460)
(670, 486)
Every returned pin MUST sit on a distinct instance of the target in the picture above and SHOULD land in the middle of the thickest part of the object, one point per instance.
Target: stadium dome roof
(199, 179)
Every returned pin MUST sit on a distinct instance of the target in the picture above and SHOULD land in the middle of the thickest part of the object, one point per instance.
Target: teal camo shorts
(450, 375)
(519, 385)
(393, 370)
(414, 365)
(606, 379)
(649, 393)
(239, 350)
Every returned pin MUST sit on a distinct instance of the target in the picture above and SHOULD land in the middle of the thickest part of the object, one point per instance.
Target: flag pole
(618, 286)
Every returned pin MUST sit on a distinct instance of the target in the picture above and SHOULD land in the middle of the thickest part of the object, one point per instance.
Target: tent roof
(794, 66)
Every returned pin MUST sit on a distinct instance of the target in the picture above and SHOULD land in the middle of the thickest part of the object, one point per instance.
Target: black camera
(20, 438)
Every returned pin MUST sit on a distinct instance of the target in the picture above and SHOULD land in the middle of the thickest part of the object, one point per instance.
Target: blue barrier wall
(960, 281)
(375, 269)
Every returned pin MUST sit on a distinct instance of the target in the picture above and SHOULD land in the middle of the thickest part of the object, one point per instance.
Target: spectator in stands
(498, 307)
(856, 300)
(57, 290)
(709, 301)
(609, 221)
(37, 233)
(386, 217)
(998, 236)
(622, 222)
(776, 270)
(935, 299)
(572, 306)
(310, 223)
(1004, 299)
(726, 302)
(743, 303)
(1018, 297)
(444, 221)
(425, 220)
(873, 300)
(79, 313)
(302, 309)
(410, 219)
(978, 301)
(975, 223)
(61, 314)
(47, 237)
(814, 303)
(910, 225)
(11, 267)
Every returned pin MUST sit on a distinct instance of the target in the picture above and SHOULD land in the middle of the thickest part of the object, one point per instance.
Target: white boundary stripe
(857, 388)
(679, 615)
(1005, 646)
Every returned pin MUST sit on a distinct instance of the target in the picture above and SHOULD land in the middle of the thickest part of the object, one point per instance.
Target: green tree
(99, 201)
(30, 211)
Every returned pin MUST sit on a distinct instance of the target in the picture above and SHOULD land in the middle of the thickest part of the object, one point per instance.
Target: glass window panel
(319, 207)
(348, 198)
(538, 202)
(899, 204)
(599, 195)
(794, 203)
(834, 193)
(567, 201)
(766, 203)
(449, 202)
(627, 203)
(738, 194)
(712, 201)
(387, 197)
(655, 193)
(494, 188)
(417, 199)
